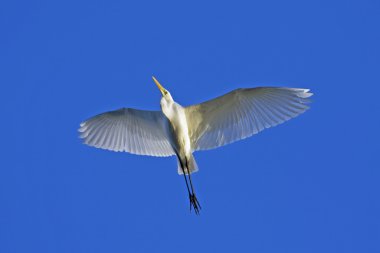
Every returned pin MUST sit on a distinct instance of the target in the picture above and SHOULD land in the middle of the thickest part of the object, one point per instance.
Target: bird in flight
(179, 131)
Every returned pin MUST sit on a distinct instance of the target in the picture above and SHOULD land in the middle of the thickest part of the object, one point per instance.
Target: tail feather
(191, 163)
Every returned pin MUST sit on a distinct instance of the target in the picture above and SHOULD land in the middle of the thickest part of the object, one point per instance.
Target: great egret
(180, 131)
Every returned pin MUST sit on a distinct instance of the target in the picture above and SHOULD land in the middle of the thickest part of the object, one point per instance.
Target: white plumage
(179, 131)
(242, 113)
(135, 131)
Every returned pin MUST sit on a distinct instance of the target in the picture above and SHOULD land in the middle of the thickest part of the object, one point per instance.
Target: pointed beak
(162, 89)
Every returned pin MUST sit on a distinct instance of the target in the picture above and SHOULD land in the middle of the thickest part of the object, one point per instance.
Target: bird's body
(177, 130)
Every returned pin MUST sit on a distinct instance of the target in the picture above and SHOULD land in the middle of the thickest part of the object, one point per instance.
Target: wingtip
(82, 127)
(303, 93)
(307, 93)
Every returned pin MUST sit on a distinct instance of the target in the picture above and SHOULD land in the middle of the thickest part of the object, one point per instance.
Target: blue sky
(309, 185)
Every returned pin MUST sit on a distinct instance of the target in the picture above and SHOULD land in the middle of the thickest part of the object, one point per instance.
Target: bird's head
(166, 99)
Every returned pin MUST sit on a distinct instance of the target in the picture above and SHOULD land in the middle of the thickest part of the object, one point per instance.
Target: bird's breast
(179, 131)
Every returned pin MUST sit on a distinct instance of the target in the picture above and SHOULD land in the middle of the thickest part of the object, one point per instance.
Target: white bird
(178, 130)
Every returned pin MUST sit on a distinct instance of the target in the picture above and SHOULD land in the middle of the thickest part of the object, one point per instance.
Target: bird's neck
(168, 109)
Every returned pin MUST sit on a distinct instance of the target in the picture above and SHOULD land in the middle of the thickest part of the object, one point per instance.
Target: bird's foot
(194, 203)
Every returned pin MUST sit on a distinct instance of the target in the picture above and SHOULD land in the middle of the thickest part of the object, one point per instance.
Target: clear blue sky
(309, 185)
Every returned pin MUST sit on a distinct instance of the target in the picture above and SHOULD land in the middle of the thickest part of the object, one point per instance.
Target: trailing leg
(193, 199)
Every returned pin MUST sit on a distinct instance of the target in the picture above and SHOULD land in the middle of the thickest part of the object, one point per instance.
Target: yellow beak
(162, 89)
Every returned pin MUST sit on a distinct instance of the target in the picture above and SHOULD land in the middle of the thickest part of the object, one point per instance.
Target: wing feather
(242, 113)
(130, 130)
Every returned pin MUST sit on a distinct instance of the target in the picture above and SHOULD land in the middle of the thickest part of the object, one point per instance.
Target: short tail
(191, 166)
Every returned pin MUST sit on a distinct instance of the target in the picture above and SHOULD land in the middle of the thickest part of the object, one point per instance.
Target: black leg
(184, 175)
(193, 198)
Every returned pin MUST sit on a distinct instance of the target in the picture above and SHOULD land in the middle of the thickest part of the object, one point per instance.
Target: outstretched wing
(130, 130)
(242, 113)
